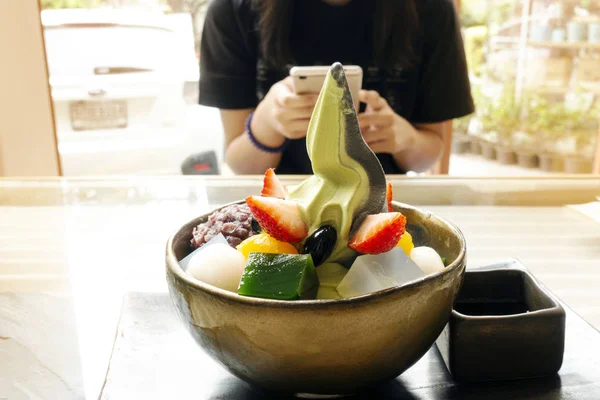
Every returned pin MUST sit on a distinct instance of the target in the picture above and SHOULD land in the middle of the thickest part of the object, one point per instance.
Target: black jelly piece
(255, 226)
(321, 243)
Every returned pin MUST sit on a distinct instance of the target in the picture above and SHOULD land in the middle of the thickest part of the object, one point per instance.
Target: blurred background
(123, 78)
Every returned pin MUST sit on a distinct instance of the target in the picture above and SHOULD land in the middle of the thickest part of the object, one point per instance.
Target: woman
(411, 53)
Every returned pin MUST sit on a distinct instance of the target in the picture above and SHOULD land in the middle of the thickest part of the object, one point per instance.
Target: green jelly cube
(279, 276)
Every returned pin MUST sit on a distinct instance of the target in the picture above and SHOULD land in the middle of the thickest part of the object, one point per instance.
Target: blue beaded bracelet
(259, 145)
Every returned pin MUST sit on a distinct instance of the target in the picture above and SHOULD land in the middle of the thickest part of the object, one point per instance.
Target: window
(535, 72)
(124, 79)
(124, 82)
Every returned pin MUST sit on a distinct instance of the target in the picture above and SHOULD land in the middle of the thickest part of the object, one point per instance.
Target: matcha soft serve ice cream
(348, 182)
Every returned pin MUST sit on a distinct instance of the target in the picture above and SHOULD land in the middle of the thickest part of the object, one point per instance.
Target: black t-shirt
(234, 75)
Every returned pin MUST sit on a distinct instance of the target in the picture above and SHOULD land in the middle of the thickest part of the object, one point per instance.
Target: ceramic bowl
(322, 346)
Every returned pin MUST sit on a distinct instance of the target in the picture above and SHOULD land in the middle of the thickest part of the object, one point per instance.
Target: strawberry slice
(388, 196)
(272, 186)
(279, 218)
(378, 233)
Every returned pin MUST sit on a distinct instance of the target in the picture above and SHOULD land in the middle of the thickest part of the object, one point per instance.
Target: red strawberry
(378, 233)
(279, 218)
(388, 197)
(272, 186)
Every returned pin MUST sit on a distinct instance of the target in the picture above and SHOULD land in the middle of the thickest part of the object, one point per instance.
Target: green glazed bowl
(322, 346)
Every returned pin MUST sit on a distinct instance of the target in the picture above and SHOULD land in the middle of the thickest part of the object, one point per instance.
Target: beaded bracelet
(259, 145)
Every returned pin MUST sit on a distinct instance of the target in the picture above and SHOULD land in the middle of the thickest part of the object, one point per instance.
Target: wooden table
(71, 250)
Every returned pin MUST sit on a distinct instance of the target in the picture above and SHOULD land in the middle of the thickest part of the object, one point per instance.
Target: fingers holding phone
(383, 130)
(372, 99)
(283, 112)
(286, 109)
(292, 111)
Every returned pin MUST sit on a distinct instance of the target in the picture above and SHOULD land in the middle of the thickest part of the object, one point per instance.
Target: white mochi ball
(219, 265)
(427, 259)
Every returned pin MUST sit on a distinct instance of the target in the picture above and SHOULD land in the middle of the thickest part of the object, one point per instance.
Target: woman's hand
(383, 129)
(282, 114)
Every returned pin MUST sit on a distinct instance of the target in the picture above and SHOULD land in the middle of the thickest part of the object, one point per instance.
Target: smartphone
(311, 79)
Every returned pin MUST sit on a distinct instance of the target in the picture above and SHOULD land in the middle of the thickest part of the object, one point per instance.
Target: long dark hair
(395, 30)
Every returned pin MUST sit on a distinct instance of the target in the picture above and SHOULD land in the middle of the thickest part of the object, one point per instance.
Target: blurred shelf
(591, 87)
(559, 90)
(564, 45)
(504, 39)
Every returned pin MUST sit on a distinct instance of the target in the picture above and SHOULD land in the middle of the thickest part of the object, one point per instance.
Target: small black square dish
(504, 325)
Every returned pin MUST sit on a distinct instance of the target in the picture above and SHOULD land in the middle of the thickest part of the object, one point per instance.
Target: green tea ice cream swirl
(348, 182)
